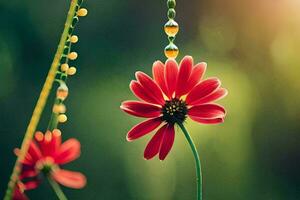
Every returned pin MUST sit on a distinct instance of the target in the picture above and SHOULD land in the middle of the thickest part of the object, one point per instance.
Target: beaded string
(171, 29)
(59, 109)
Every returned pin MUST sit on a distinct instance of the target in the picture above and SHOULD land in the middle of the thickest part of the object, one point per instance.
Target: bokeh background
(252, 46)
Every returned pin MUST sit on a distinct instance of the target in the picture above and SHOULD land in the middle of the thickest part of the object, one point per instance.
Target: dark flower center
(174, 111)
(47, 169)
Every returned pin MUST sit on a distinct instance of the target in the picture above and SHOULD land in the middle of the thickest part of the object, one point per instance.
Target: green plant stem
(57, 189)
(53, 122)
(40, 103)
(197, 160)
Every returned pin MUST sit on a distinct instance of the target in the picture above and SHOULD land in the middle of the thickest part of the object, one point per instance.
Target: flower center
(45, 165)
(174, 110)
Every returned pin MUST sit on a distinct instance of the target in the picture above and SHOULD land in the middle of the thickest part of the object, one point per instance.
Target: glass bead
(171, 13)
(171, 3)
(171, 28)
(62, 92)
(171, 51)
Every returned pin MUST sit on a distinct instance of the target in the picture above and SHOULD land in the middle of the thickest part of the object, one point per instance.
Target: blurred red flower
(45, 155)
(19, 192)
(173, 94)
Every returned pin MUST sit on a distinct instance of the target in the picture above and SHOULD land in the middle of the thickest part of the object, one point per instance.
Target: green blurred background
(252, 46)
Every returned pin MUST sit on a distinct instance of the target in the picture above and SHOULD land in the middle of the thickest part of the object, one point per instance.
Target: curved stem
(197, 160)
(41, 102)
(57, 189)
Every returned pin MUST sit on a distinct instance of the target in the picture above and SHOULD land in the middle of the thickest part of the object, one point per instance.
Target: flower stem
(57, 189)
(41, 102)
(197, 161)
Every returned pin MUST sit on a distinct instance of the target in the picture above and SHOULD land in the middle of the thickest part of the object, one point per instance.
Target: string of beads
(59, 109)
(171, 29)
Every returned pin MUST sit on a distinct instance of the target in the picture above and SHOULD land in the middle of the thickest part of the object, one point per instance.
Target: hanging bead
(171, 28)
(62, 92)
(171, 51)
(171, 3)
(59, 108)
(171, 13)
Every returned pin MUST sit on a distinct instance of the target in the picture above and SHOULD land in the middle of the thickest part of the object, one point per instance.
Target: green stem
(197, 161)
(37, 112)
(53, 122)
(57, 189)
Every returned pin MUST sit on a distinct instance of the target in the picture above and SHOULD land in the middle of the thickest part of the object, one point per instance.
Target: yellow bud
(74, 39)
(62, 118)
(64, 67)
(71, 71)
(82, 12)
(72, 55)
(55, 108)
(59, 108)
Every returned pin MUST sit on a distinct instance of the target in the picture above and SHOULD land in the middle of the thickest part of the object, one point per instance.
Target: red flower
(173, 94)
(45, 155)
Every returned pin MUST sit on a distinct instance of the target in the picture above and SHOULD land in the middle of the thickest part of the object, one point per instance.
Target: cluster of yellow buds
(68, 70)
(62, 92)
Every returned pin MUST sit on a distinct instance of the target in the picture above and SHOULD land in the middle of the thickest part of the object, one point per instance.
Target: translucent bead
(171, 51)
(171, 28)
(62, 92)
(171, 3)
(59, 108)
(171, 13)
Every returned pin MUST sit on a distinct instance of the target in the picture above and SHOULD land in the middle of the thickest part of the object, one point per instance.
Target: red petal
(167, 142)
(141, 109)
(45, 144)
(30, 185)
(55, 142)
(207, 111)
(196, 75)
(203, 89)
(154, 144)
(143, 128)
(28, 174)
(34, 151)
(140, 92)
(184, 73)
(69, 178)
(159, 75)
(150, 87)
(208, 121)
(27, 160)
(216, 95)
(171, 72)
(19, 195)
(68, 151)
